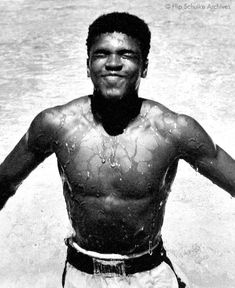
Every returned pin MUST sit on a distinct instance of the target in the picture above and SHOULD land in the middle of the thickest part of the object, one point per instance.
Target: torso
(116, 187)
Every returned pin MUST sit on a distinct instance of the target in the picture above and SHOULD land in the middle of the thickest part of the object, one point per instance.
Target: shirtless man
(117, 156)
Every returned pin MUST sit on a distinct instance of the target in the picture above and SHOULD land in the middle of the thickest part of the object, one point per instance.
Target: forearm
(14, 170)
(7, 189)
(29, 152)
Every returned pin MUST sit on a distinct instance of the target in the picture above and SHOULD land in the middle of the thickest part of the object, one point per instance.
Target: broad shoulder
(163, 118)
(55, 117)
(48, 124)
(184, 130)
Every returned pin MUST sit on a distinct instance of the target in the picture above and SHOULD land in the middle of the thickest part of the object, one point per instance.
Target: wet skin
(116, 187)
(116, 177)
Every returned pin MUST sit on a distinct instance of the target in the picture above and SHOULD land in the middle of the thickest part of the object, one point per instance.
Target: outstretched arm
(208, 159)
(31, 150)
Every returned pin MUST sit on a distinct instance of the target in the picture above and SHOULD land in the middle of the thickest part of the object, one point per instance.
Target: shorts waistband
(107, 256)
(94, 263)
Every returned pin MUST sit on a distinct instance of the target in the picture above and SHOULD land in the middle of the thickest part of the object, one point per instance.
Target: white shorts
(161, 276)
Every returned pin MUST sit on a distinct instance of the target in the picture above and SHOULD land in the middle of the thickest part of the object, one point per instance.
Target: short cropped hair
(125, 23)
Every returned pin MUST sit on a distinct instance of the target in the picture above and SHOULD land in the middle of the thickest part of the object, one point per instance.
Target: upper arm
(194, 142)
(30, 151)
(197, 148)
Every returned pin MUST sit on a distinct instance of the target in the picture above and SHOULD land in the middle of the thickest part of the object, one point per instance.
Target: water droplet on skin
(112, 164)
(101, 212)
(66, 164)
(97, 195)
(149, 186)
(81, 187)
(103, 160)
(120, 179)
(192, 140)
(153, 224)
(62, 122)
(88, 174)
(150, 248)
(125, 237)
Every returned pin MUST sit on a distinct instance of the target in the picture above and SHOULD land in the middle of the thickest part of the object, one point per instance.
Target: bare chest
(135, 162)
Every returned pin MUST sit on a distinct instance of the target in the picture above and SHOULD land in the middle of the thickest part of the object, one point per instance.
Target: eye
(129, 55)
(99, 54)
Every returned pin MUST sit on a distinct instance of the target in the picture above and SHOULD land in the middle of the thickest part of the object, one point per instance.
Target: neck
(115, 115)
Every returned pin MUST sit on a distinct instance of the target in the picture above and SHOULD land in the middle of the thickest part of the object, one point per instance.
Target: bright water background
(43, 57)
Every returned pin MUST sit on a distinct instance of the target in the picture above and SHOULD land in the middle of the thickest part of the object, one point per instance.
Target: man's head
(117, 46)
(125, 23)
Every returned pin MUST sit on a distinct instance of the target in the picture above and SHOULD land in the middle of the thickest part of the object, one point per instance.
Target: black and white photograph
(117, 144)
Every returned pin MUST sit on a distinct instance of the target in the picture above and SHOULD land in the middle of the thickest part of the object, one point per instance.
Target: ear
(145, 68)
(88, 68)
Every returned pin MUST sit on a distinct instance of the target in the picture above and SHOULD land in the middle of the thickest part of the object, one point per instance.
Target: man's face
(115, 65)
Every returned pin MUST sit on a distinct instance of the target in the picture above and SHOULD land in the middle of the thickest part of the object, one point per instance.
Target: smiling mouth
(113, 77)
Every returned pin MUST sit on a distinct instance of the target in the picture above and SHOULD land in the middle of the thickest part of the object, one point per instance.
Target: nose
(114, 63)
